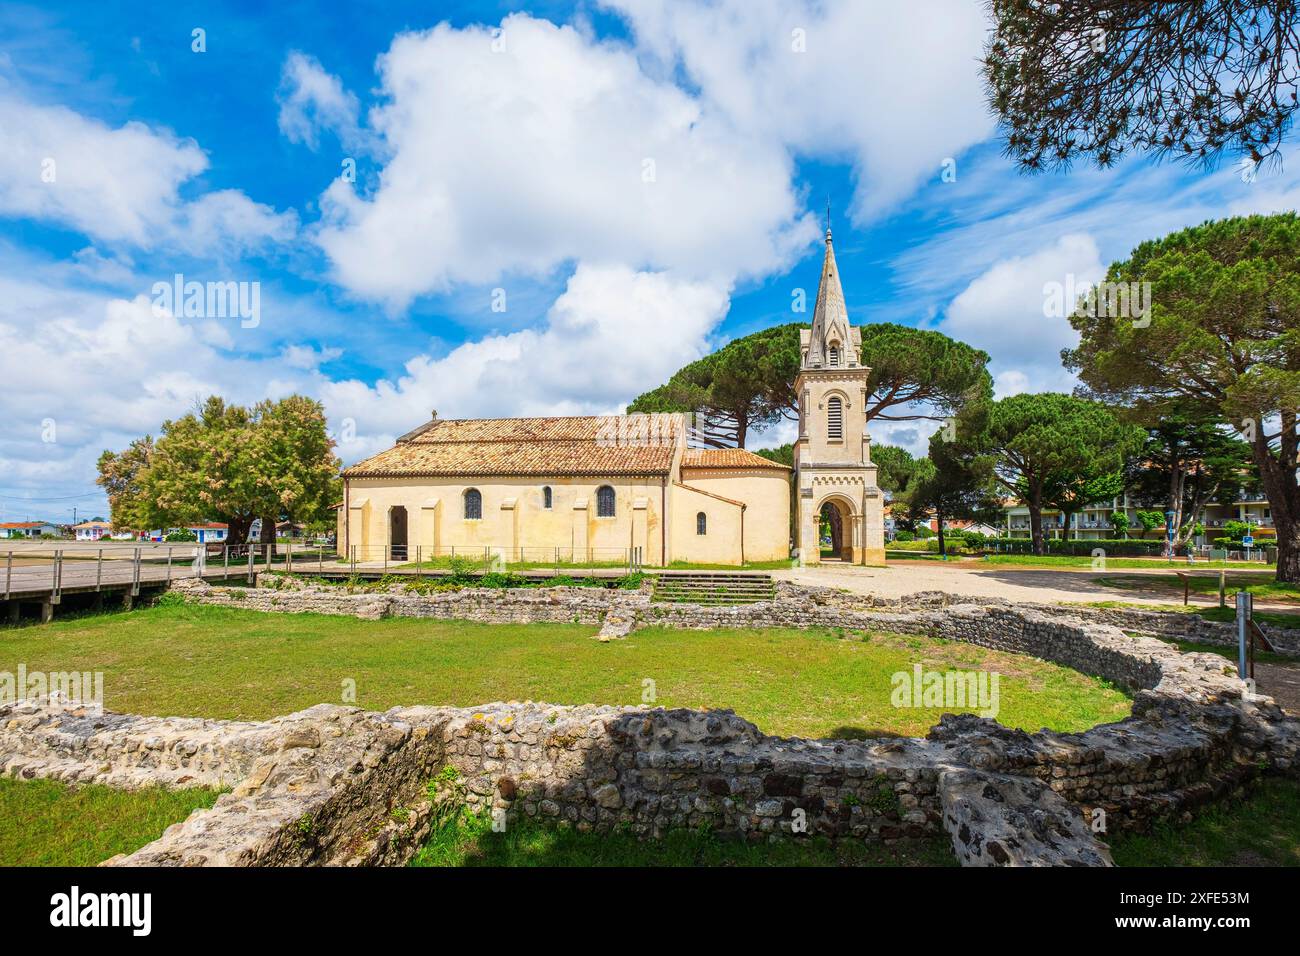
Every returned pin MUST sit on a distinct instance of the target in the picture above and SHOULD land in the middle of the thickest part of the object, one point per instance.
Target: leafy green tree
(1100, 78)
(120, 476)
(1120, 523)
(749, 383)
(291, 456)
(228, 463)
(1038, 441)
(1222, 341)
(895, 468)
(1149, 521)
(782, 455)
(953, 485)
(1071, 491)
(1185, 464)
(920, 374)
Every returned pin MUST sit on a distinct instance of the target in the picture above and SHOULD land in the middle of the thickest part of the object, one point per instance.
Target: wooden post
(99, 569)
(9, 572)
(1223, 587)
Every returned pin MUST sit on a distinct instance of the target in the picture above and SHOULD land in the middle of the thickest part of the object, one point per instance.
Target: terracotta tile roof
(586, 445)
(727, 458)
(14, 525)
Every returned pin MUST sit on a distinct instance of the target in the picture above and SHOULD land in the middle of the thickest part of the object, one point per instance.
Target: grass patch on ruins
(223, 662)
(1263, 829)
(468, 840)
(48, 823)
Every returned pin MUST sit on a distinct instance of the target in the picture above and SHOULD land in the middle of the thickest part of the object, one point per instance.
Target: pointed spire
(830, 315)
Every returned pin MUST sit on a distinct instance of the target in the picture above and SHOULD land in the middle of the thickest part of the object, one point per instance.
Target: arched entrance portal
(835, 531)
(397, 532)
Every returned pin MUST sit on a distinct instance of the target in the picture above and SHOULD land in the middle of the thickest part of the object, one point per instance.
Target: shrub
(904, 536)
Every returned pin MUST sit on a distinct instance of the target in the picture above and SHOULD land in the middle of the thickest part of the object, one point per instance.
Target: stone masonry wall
(797, 606)
(335, 785)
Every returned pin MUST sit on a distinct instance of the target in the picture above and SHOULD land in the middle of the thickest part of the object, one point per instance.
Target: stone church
(602, 488)
(835, 478)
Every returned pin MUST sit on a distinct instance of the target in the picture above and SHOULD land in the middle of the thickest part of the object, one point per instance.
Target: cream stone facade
(833, 470)
(603, 489)
(628, 488)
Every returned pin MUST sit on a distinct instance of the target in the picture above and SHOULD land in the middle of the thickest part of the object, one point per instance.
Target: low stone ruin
(340, 786)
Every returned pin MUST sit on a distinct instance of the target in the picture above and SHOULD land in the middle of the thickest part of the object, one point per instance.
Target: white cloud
(120, 185)
(555, 149)
(312, 100)
(1005, 312)
(307, 357)
(895, 95)
(103, 371)
(612, 334)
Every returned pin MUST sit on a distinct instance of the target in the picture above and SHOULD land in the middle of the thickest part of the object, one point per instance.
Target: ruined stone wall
(798, 606)
(335, 785)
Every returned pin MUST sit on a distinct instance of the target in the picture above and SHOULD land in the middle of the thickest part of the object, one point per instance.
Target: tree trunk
(1278, 476)
(237, 530)
(268, 534)
(939, 518)
(1036, 523)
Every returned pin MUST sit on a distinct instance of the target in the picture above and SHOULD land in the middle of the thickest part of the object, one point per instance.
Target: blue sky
(554, 206)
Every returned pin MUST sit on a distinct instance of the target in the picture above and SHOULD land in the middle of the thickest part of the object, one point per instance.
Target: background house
(27, 529)
(91, 530)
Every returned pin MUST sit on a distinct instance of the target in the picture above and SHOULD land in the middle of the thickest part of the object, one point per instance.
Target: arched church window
(701, 523)
(835, 356)
(834, 417)
(473, 503)
(546, 497)
(604, 502)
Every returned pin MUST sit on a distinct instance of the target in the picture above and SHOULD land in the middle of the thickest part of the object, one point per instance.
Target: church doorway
(397, 532)
(835, 535)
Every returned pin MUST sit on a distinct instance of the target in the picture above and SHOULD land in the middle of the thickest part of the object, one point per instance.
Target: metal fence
(47, 568)
(486, 559)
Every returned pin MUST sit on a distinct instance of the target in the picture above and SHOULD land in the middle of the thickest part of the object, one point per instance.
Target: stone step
(706, 587)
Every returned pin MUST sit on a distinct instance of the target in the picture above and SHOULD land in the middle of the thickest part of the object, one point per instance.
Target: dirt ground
(977, 579)
(1039, 585)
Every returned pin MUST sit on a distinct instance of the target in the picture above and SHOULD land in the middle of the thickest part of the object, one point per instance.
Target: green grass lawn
(1085, 561)
(221, 662)
(46, 823)
(1261, 585)
(468, 840)
(1261, 830)
(1209, 612)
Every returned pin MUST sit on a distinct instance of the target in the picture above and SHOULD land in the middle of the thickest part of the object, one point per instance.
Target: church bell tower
(835, 477)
